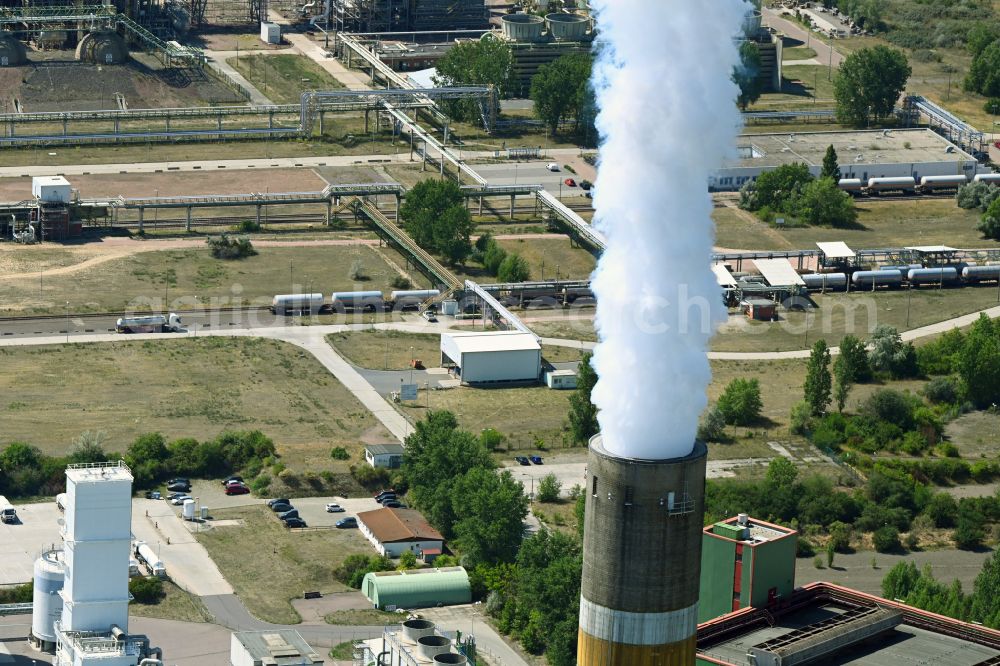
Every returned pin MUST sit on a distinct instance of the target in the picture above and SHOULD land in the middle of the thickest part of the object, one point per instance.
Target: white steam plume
(667, 119)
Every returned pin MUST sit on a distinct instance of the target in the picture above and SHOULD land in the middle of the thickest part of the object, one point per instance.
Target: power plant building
(745, 562)
(861, 154)
(492, 357)
(641, 559)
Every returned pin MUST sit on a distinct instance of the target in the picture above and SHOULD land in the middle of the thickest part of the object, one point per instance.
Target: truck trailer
(7, 512)
(150, 324)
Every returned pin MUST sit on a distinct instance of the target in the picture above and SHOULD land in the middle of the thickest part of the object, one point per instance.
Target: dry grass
(386, 350)
(570, 329)
(360, 618)
(177, 604)
(188, 279)
(547, 258)
(284, 77)
(182, 388)
(975, 434)
(298, 561)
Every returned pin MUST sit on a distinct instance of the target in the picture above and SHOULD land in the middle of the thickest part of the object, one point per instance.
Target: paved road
(257, 163)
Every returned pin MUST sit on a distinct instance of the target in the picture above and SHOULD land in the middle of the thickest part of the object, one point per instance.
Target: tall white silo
(97, 535)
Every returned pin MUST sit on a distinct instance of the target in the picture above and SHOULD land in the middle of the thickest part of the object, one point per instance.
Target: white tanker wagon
(150, 324)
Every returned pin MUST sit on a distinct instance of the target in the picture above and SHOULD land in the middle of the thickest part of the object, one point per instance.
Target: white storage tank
(53, 189)
(978, 273)
(941, 275)
(411, 298)
(891, 278)
(899, 184)
(47, 605)
(285, 303)
(567, 27)
(825, 280)
(851, 184)
(356, 300)
(270, 33)
(522, 27)
(993, 178)
(942, 182)
(189, 509)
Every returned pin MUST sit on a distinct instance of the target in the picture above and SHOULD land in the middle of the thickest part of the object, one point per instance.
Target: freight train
(355, 301)
(910, 185)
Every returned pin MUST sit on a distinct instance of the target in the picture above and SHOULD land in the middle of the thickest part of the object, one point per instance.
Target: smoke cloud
(667, 117)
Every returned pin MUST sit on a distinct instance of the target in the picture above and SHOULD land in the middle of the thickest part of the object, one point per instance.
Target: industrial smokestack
(641, 559)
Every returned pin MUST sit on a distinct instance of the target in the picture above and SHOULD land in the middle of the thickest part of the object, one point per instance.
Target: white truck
(147, 556)
(170, 323)
(7, 512)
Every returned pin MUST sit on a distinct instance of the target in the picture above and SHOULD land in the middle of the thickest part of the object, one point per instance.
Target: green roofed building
(417, 588)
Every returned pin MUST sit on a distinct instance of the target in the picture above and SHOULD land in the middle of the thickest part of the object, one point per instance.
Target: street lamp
(67, 321)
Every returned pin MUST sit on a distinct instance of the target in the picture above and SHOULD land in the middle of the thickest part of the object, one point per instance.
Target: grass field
(798, 53)
(570, 329)
(856, 313)
(802, 86)
(283, 78)
(177, 604)
(386, 350)
(187, 279)
(182, 388)
(881, 223)
(298, 561)
(547, 258)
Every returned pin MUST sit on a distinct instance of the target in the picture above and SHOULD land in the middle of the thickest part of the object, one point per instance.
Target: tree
(831, 164)
(407, 561)
(487, 61)
(548, 488)
(746, 75)
(146, 590)
(979, 362)
(980, 35)
(989, 226)
(986, 592)
(818, 382)
(776, 187)
(493, 257)
(740, 402)
(854, 359)
(821, 202)
(434, 215)
(869, 83)
(559, 89)
(984, 72)
(513, 269)
(490, 508)
(886, 539)
(890, 355)
(781, 473)
(969, 532)
(712, 425)
(582, 411)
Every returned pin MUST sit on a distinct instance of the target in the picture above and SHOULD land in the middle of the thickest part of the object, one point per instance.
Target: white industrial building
(282, 647)
(490, 357)
(394, 531)
(861, 154)
(384, 455)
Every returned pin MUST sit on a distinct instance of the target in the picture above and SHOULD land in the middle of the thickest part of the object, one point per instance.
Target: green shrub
(226, 247)
(146, 590)
(369, 476)
(339, 453)
(401, 282)
(261, 485)
(248, 227)
(712, 426)
(548, 488)
(740, 402)
(886, 539)
(491, 438)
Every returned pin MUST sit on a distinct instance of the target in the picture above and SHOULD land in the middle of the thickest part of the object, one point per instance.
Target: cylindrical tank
(522, 27)
(888, 184)
(851, 184)
(47, 605)
(189, 509)
(204, 513)
(641, 558)
(891, 278)
(932, 275)
(993, 178)
(451, 658)
(567, 27)
(903, 269)
(431, 646)
(942, 182)
(825, 280)
(977, 273)
(417, 629)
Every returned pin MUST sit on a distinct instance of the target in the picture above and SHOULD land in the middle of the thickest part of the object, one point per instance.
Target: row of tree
(792, 191)
(984, 72)
(921, 589)
(986, 198)
(505, 266)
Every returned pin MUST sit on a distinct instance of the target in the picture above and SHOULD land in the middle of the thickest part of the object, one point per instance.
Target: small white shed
(384, 455)
(53, 189)
(270, 33)
(491, 357)
(560, 379)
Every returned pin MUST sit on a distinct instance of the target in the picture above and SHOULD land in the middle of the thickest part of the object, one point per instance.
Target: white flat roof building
(862, 154)
(487, 357)
(273, 647)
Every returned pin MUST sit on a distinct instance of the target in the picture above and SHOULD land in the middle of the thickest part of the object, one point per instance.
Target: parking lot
(21, 543)
(313, 509)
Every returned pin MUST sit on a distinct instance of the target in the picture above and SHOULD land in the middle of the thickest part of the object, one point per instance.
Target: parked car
(180, 479)
(385, 491)
(281, 507)
(175, 495)
(153, 494)
(537, 460)
(522, 460)
(552, 166)
(585, 184)
(333, 507)
(346, 523)
(429, 316)
(180, 499)
(294, 513)
(280, 500)
(181, 486)
(235, 477)
(295, 522)
(237, 490)
(569, 182)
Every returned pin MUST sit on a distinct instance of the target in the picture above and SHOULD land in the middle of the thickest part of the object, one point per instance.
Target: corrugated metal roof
(284, 646)
(384, 449)
(394, 525)
(836, 250)
(496, 341)
(723, 276)
(418, 588)
(778, 272)
(931, 248)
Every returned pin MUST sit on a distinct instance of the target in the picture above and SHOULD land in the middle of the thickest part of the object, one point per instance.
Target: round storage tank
(567, 27)
(450, 658)
(47, 605)
(189, 509)
(522, 27)
(432, 646)
(417, 629)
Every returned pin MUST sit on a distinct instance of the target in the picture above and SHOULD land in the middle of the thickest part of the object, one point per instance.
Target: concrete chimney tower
(641, 559)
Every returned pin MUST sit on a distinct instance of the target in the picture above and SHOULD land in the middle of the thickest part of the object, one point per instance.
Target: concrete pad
(313, 509)
(185, 643)
(21, 543)
(314, 610)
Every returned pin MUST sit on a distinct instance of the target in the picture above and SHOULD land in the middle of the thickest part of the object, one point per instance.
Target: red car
(237, 490)
(570, 182)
